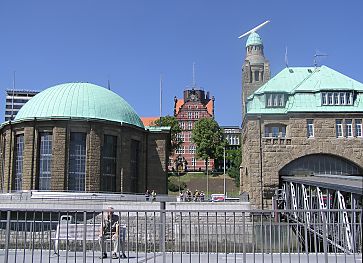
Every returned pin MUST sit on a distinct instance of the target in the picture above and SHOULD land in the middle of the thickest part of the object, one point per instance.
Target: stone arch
(291, 157)
(321, 164)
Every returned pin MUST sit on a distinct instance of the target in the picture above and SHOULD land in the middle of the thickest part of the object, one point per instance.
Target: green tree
(208, 139)
(172, 122)
(235, 158)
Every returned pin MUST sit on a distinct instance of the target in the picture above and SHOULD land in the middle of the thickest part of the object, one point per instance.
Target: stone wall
(155, 147)
(278, 152)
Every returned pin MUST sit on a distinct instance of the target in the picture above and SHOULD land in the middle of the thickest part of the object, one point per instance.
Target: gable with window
(275, 100)
(337, 98)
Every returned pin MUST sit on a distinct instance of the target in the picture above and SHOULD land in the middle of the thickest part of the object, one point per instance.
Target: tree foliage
(208, 138)
(235, 158)
(172, 122)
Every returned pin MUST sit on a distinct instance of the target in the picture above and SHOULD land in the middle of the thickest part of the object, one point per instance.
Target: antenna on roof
(108, 84)
(193, 74)
(12, 99)
(253, 30)
(318, 54)
(286, 60)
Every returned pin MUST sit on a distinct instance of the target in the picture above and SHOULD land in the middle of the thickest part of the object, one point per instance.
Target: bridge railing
(179, 235)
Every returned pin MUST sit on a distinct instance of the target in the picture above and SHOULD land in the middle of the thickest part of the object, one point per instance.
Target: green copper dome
(79, 100)
(254, 39)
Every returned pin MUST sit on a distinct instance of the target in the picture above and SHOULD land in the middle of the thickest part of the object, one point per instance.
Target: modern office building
(15, 99)
(195, 105)
(84, 138)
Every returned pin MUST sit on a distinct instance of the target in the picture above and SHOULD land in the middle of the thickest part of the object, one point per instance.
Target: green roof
(303, 87)
(81, 101)
(254, 39)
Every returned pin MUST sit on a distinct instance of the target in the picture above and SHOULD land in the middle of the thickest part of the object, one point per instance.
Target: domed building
(85, 138)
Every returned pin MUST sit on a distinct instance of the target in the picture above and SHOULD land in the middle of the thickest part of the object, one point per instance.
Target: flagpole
(161, 98)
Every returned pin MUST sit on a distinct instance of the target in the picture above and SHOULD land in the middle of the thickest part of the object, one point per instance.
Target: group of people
(151, 194)
(188, 196)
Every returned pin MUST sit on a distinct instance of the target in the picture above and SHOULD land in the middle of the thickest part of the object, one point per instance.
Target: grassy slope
(199, 181)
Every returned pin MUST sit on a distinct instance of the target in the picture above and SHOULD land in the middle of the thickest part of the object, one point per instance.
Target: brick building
(195, 105)
(82, 137)
(304, 121)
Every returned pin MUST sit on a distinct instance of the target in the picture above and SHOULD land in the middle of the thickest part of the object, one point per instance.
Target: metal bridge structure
(324, 209)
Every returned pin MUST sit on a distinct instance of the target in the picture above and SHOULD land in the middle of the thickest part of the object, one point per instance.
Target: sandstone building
(82, 137)
(304, 121)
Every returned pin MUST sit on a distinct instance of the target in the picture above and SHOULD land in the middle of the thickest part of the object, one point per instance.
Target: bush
(174, 187)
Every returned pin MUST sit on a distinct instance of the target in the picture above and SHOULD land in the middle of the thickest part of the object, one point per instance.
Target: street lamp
(224, 172)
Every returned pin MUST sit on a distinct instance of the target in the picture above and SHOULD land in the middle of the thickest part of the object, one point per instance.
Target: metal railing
(184, 236)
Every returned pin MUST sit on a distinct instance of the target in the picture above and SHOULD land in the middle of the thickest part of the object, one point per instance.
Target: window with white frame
(196, 115)
(339, 128)
(310, 128)
(179, 150)
(192, 148)
(358, 128)
(190, 115)
(194, 161)
(182, 125)
(337, 98)
(190, 125)
(348, 128)
(275, 100)
(180, 137)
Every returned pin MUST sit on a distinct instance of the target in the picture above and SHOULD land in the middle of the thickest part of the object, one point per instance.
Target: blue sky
(132, 42)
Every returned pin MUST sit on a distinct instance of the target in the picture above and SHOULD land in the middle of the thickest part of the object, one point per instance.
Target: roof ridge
(305, 79)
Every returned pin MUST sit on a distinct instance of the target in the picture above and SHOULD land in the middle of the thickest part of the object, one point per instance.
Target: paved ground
(44, 256)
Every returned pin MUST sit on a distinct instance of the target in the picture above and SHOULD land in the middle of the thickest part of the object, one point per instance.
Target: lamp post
(224, 172)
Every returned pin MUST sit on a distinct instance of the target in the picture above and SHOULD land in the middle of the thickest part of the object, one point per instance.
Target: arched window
(321, 164)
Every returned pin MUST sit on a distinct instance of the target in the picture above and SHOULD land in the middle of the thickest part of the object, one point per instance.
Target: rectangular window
(190, 115)
(109, 155)
(193, 162)
(77, 162)
(275, 132)
(192, 148)
(134, 166)
(276, 100)
(339, 128)
(182, 125)
(45, 160)
(196, 115)
(180, 150)
(358, 128)
(190, 125)
(348, 128)
(342, 98)
(324, 98)
(269, 100)
(310, 128)
(330, 98)
(349, 96)
(281, 100)
(18, 180)
(336, 98)
(283, 131)
(267, 131)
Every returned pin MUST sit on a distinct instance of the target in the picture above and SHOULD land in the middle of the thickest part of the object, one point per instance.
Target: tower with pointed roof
(255, 69)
